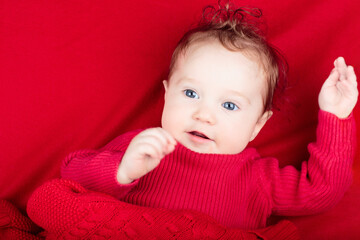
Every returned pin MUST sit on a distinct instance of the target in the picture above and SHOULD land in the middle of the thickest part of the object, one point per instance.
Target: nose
(205, 115)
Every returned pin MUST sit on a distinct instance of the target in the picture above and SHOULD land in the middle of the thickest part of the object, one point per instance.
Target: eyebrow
(186, 79)
(238, 94)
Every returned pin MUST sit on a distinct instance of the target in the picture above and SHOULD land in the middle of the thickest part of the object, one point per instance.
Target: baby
(218, 97)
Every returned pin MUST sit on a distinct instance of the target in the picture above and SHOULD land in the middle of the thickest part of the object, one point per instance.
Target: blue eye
(191, 94)
(230, 106)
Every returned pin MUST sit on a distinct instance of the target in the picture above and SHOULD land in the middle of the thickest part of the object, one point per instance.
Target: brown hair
(238, 30)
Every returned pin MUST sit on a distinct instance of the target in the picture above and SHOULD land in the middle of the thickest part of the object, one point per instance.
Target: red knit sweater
(240, 190)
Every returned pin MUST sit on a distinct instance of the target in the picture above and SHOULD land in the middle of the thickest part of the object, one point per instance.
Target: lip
(198, 137)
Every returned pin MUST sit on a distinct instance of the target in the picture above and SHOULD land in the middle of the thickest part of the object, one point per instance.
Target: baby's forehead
(213, 59)
(251, 54)
(206, 47)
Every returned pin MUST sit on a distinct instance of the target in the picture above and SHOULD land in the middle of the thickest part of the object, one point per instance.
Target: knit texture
(14, 225)
(240, 190)
(66, 210)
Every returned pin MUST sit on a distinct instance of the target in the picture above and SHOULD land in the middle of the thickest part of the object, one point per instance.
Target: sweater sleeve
(322, 180)
(97, 169)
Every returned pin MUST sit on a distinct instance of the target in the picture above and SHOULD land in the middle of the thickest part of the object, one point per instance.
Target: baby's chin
(202, 149)
(197, 148)
(211, 150)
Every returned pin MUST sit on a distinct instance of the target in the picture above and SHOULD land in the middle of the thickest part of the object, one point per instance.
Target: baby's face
(214, 100)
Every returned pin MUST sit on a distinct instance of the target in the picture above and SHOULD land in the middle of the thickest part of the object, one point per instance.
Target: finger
(345, 87)
(164, 139)
(332, 79)
(155, 143)
(149, 150)
(167, 140)
(348, 91)
(171, 142)
(151, 157)
(341, 67)
(168, 136)
(339, 62)
(157, 134)
(351, 76)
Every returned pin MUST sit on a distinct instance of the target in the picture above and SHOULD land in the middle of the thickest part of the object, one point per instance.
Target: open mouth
(199, 134)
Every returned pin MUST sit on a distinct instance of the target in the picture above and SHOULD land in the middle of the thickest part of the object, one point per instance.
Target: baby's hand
(339, 92)
(144, 154)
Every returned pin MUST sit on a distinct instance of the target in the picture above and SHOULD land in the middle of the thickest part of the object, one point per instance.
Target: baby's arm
(98, 170)
(327, 175)
(322, 180)
(339, 92)
(144, 154)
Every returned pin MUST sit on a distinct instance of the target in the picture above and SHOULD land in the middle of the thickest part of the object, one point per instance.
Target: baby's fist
(144, 153)
(339, 92)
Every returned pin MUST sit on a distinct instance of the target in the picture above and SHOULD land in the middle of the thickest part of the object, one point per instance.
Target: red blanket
(68, 211)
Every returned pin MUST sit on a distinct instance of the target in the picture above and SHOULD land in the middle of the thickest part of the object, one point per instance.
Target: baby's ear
(166, 84)
(260, 123)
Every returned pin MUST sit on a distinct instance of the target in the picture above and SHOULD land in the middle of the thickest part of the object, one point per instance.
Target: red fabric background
(75, 74)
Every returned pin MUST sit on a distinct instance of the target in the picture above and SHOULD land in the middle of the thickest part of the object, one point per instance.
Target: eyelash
(230, 106)
(227, 105)
(190, 93)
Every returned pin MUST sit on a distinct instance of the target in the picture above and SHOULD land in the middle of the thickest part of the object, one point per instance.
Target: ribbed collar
(183, 154)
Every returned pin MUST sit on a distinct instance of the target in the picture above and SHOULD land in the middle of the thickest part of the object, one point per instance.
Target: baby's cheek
(234, 140)
(170, 123)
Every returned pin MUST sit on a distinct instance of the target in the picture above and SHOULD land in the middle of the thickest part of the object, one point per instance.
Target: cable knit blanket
(66, 210)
